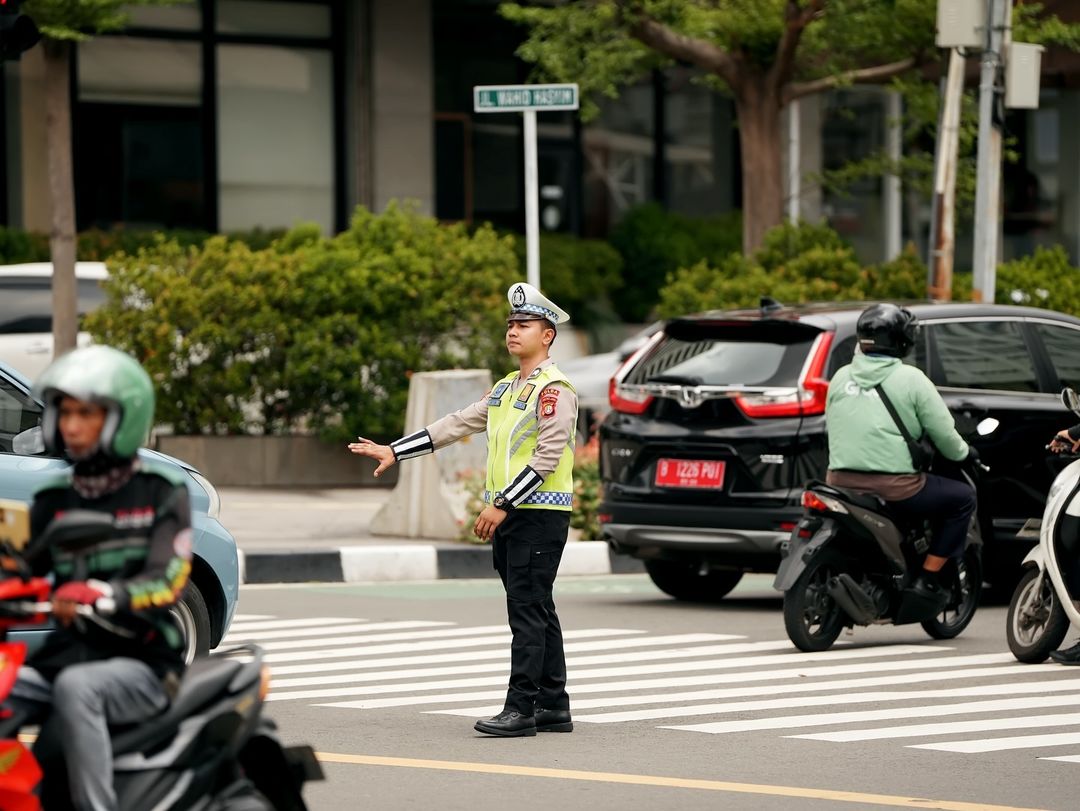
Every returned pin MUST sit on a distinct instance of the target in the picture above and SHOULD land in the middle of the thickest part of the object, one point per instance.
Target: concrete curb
(403, 562)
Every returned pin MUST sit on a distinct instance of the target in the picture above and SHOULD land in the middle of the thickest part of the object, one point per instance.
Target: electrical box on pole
(961, 23)
(1023, 71)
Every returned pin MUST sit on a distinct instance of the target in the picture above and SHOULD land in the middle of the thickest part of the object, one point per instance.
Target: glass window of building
(275, 138)
(179, 17)
(139, 133)
(273, 18)
(618, 153)
(1032, 188)
(700, 153)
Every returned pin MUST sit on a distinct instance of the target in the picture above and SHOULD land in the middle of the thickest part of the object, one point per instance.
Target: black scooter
(850, 561)
(211, 750)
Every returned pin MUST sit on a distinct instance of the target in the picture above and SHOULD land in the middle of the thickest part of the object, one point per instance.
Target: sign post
(528, 99)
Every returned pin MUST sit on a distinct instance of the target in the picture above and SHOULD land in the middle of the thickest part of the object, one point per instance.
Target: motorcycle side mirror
(30, 442)
(78, 529)
(1071, 400)
(987, 426)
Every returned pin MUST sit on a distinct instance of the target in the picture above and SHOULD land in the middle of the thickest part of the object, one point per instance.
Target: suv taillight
(628, 402)
(809, 396)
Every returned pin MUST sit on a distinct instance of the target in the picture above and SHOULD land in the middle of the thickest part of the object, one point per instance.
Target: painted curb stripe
(664, 782)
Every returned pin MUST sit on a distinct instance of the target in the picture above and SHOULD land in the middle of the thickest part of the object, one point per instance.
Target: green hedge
(655, 243)
(311, 333)
(96, 245)
(579, 275)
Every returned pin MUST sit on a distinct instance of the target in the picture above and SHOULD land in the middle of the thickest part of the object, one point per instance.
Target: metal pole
(894, 110)
(532, 205)
(988, 187)
(794, 161)
(941, 266)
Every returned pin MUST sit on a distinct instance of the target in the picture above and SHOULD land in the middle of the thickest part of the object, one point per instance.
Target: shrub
(1045, 279)
(655, 243)
(577, 274)
(311, 333)
(18, 246)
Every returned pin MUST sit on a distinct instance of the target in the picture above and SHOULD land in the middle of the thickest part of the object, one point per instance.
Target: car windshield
(26, 302)
(719, 362)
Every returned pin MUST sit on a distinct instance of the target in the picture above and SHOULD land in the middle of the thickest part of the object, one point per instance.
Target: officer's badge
(496, 395)
(523, 398)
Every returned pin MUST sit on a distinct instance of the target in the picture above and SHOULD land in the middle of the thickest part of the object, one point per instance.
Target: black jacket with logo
(147, 562)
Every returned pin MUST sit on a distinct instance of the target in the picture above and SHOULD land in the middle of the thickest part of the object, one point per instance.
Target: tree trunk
(758, 114)
(61, 193)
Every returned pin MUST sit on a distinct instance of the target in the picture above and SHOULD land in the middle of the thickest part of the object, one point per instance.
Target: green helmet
(109, 378)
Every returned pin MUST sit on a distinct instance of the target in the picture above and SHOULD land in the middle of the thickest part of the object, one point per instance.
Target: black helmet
(885, 329)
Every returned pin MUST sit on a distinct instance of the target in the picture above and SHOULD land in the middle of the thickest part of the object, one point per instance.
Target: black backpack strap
(914, 448)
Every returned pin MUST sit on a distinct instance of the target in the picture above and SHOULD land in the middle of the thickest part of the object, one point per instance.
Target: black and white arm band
(528, 481)
(412, 445)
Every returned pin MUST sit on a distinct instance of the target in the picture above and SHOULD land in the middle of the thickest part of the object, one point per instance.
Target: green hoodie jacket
(862, 434)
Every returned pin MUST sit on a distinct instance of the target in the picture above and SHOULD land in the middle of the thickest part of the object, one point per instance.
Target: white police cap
(527, 303)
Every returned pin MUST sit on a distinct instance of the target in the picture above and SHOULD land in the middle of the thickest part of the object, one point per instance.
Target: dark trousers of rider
(949, 505)
(527, 548)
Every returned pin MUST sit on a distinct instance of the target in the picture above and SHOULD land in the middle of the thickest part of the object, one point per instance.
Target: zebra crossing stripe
(623, 687)
(503, 653)
(251, 617)
(402, 636)
(267, 625)
(297, 633)
(946, 728)
(428, 644)
(766, 690)
(1003, 744)
(637, 670)
(1063, 758)
(828, 719)
(631, 670)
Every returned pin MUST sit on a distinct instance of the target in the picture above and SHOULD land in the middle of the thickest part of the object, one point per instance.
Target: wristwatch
(501, 502)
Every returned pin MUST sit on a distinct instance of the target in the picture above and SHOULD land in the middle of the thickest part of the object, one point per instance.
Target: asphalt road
(676, 706)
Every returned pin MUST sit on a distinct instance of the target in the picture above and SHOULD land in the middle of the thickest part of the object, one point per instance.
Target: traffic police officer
(530, 416)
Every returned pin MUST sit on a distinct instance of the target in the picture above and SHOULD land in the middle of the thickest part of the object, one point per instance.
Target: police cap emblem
(519, 296)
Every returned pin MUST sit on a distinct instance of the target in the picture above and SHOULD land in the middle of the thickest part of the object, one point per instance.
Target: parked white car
(26, 342)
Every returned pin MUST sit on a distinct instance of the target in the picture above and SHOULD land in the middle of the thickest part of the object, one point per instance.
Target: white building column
(892, 193)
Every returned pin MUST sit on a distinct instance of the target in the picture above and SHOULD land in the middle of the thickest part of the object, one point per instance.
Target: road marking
(1063, 758)
(665, 782)
(766, 690)
(267, 625)
(691, 681)
(503, 653)
(827, 719)
(238, 618)
(613, 672)
(1002, 744)
(501, 663)
(300, 505)
(297, 633)
(359, 639)
(946, 728)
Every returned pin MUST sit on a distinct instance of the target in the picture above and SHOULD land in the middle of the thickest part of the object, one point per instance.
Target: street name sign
(513, 98)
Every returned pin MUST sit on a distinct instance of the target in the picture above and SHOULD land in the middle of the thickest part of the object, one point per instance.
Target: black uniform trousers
(527, 548)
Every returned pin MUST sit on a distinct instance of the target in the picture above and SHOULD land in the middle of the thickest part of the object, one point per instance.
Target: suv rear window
(707, 356)
(26, 302)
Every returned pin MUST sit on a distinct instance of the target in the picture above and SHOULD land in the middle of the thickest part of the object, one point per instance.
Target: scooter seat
(203, 681)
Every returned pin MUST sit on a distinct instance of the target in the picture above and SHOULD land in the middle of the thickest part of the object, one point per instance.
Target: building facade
(229, 115)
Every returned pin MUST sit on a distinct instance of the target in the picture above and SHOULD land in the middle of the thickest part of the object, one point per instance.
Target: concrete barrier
(429, 499)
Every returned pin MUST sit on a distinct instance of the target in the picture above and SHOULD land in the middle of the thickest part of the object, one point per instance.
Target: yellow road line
(665, 782)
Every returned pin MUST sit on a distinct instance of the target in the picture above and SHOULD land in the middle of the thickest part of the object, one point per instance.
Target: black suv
(718, 422)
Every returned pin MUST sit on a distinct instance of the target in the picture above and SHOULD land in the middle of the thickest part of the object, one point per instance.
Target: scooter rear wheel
(1036, 622)
(812, 618)
(967, 586)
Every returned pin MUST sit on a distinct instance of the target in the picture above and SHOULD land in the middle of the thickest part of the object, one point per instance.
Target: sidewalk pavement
(323, 535)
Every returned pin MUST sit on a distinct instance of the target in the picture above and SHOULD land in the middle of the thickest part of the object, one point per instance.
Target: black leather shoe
(1067, 656)
(553, 720)
(508, 724)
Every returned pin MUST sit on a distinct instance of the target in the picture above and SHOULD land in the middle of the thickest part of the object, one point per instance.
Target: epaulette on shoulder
(171, 473)
(57, 481)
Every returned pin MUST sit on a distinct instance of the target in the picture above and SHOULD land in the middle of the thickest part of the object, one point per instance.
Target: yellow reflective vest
(512, 430)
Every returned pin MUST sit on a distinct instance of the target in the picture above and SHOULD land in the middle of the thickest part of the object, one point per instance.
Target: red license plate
(694, 473)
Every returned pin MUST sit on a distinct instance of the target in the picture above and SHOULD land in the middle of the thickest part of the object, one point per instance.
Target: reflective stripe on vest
(512, 430)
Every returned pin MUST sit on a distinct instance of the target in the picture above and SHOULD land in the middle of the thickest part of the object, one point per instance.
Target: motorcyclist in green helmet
(120, 663)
